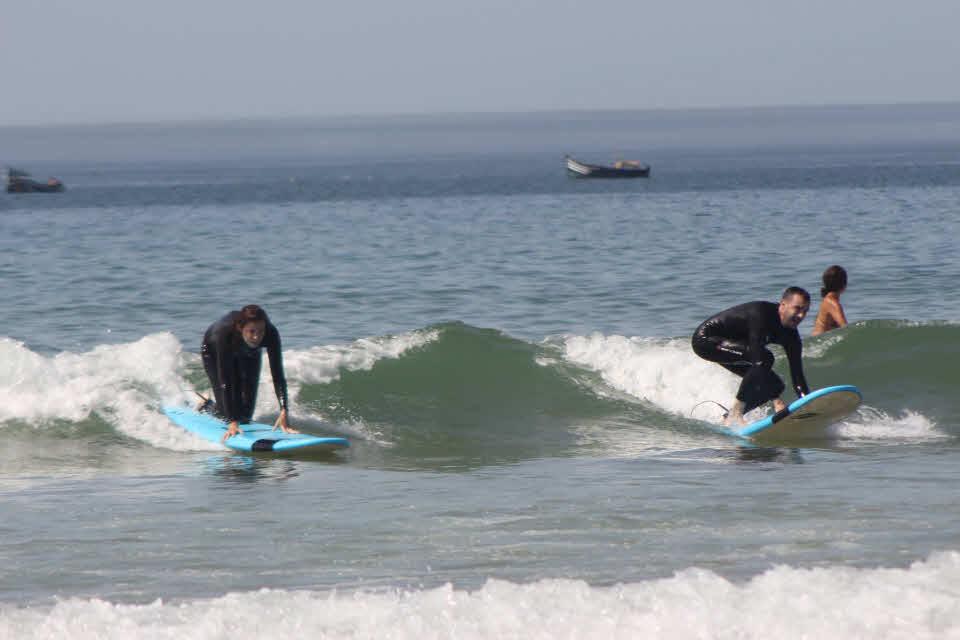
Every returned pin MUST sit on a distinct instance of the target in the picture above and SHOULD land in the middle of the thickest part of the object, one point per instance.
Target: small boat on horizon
(620, 169)
(19, 181)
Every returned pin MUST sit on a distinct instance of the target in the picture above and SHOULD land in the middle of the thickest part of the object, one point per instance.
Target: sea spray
(918, 602)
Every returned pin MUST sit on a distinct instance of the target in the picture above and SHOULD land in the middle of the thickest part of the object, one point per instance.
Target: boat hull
(576, 169)
(33, 187)
(18, 181)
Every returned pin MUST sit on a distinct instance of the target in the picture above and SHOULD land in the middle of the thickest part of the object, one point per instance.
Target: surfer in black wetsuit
(736, 339)
(231, 357)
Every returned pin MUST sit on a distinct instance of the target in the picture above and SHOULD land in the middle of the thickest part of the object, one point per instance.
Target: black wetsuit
(234, 368)
(736, 339)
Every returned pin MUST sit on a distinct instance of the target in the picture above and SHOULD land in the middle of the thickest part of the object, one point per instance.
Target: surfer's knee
(766, 360)
(775, 385)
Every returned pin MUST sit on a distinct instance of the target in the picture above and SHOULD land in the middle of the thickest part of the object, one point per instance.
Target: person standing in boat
(231, 353)
(831, 314)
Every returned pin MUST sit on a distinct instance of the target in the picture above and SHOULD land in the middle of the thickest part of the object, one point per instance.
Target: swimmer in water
(831, 314)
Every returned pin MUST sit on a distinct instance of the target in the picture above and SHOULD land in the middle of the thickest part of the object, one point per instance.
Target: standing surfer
(736, 339)
(231, 358)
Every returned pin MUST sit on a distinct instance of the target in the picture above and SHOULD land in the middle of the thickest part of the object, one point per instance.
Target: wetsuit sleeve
(276, 365)
(756, 344)
(794, 350)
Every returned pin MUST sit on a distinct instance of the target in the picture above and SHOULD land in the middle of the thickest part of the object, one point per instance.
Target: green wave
(474, 393)
(470, 393)
(897, 365)
(477, 396)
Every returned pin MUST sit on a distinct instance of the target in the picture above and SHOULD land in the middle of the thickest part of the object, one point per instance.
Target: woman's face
(253, 333)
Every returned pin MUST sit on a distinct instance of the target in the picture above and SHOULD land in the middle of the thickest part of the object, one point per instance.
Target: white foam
(321, 365)
(68, 386)
(667, 374)
(126, 384)
(122, 383)
(663, 372)
(874, 424)
(834, 603)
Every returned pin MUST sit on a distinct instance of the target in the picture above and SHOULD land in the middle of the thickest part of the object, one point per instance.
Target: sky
(101, 61)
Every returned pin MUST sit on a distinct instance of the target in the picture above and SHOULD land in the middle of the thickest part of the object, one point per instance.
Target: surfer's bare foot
(779, 405)
(733, 421)
(735, 416)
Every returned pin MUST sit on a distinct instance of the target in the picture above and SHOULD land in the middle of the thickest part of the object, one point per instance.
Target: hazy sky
(69, 61)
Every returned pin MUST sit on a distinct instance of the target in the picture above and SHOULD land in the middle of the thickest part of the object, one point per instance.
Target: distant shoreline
(459, 116)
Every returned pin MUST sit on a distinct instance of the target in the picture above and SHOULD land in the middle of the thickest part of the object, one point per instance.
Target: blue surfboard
(255, 436)
(806, 418)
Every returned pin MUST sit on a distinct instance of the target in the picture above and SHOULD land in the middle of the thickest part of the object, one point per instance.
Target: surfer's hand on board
(232, 430)
(281, 423)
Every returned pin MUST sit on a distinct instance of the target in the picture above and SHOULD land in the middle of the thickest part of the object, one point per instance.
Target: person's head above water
(834, 280)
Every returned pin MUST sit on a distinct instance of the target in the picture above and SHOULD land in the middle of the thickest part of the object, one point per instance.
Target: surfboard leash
(726, 411)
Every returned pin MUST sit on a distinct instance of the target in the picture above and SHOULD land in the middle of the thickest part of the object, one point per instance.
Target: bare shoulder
(830, 303)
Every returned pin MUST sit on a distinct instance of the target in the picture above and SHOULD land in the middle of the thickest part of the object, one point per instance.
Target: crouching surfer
(231, 353)
(736, 339)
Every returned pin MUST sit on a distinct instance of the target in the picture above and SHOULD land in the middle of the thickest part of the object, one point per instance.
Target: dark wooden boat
(18, 181)
(622, 169)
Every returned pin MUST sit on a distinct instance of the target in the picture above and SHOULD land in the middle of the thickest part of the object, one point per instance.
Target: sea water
(507, 350)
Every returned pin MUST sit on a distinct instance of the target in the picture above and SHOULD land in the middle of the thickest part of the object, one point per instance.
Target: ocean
(507, 350)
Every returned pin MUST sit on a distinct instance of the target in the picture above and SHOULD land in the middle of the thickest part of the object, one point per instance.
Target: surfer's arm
(794, 351)
(275, 354)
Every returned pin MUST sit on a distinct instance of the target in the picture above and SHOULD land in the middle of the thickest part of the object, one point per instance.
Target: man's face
(793, 309)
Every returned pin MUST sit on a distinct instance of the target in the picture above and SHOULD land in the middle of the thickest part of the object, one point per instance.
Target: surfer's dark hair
(795, 291)
(834, 279)
(250, 313)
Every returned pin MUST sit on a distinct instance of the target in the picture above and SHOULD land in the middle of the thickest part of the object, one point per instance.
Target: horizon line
(414, 115)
